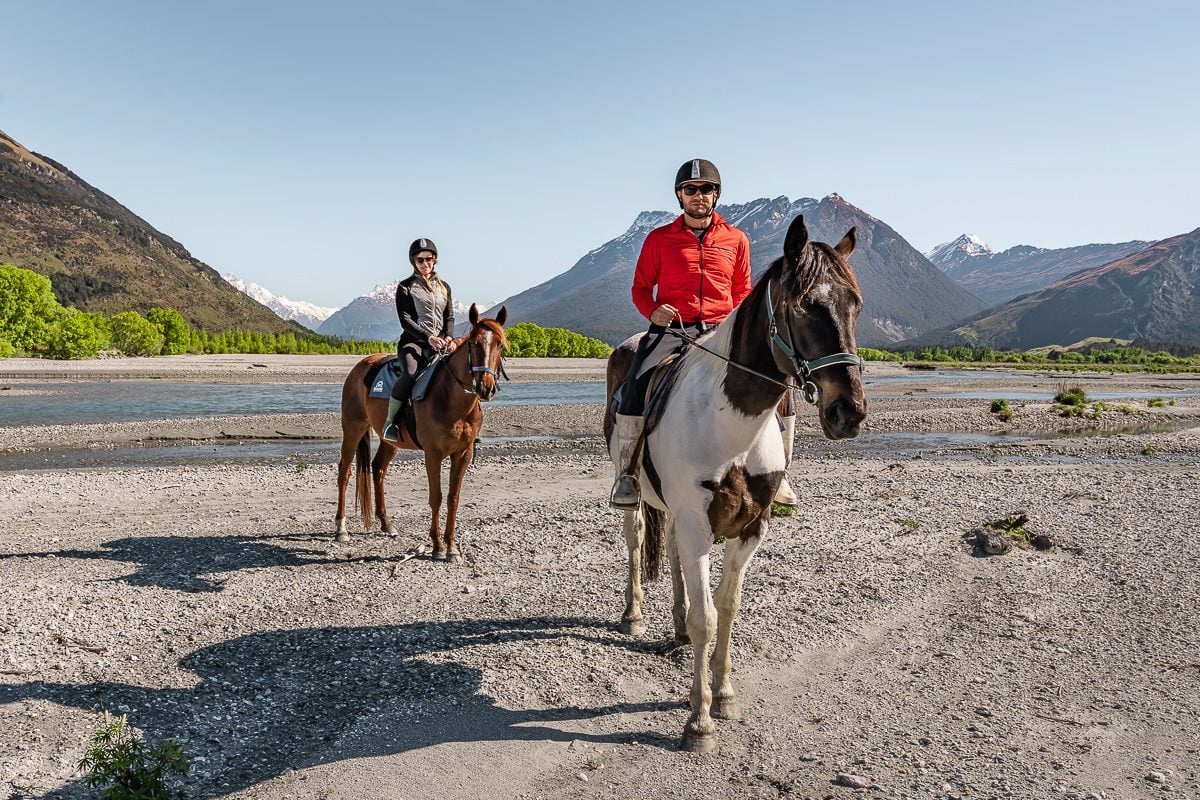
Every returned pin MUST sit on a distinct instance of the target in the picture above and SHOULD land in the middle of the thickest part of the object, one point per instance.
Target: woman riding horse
(426, 311)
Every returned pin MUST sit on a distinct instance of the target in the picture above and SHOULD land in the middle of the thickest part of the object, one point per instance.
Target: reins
(803, 368)
(496, 374)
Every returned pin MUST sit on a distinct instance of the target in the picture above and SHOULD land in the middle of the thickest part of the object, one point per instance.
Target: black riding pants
(633, 391)
(412, 359)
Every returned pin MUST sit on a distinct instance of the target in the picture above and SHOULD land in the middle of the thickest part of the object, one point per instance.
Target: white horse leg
(635, 529)
(693, 540)
(679, 607)
(729, 599)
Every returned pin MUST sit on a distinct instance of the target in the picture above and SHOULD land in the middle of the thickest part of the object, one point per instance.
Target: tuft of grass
(909, 525)
(1149, 451)
(302, 464)
(1012, 526)
(1127, 409)
(1072, 396)
(780, 510)
(999, 406)
(119, 759)
(1156, 402)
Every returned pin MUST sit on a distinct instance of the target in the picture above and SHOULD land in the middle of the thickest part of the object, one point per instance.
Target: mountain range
(999, 277)
(1151, 294)
(307, 314)
(100, 256)
(373, 316)
(905, 293)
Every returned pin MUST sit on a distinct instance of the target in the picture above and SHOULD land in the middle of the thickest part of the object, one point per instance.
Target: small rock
(808, 757)
(583, 777)
(1043, 541)
(1156, 777)
(852, 781)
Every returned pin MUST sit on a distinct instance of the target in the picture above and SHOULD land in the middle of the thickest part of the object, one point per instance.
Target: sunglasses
(426, 259)
(691, 190)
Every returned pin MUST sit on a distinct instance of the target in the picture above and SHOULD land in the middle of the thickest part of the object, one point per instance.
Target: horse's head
(485, 349)
(815, 313)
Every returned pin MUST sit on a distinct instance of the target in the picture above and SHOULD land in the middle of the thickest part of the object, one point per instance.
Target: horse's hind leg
(458, 467)
(729, 601)
(634, 528)
(679, 604)
(350, 445)
(379, 467)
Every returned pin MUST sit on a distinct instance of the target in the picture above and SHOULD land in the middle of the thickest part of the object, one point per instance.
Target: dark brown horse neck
(750, 343)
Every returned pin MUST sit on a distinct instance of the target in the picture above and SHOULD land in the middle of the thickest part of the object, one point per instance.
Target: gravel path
(208, 601)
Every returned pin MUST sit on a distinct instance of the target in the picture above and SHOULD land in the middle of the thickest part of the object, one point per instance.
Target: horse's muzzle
(485, 388)
(843, 418)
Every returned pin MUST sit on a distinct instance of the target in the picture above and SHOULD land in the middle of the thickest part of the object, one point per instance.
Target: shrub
(6, 348)
(120, 759)
(1156, 402)
(999, 405)
(174, 329)
(1074, 396)
(134, 335)
(78, 334)
(27, 307)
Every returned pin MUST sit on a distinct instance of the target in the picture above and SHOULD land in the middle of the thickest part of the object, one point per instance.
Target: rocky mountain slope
(372, 316)
(1149, 294)
(905, 293)
(100, 256)
(999, 277)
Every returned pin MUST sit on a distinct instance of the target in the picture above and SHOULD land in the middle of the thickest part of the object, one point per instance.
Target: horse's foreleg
(458, 468)
(679, 600)
(345, 465)
(634, 528)
(433, 473)
(693, 539)
(729, 601)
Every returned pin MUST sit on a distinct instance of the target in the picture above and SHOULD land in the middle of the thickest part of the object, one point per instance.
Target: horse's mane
(489, 323)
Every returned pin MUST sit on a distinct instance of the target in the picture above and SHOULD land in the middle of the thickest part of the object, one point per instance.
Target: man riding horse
(426, 312)
(700, 265)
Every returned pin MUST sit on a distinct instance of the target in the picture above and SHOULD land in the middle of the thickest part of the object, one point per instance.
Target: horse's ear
(502, 317)
(473, 315)
(797, 238)
(846, 246)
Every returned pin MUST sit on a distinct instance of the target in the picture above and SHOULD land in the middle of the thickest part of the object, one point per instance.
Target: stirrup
(391, 432)
(626, 493)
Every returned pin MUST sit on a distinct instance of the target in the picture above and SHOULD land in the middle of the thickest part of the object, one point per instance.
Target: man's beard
(704, 213)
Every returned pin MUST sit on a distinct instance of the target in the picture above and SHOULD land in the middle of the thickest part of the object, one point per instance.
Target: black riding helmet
(419, 245)
(698, 169)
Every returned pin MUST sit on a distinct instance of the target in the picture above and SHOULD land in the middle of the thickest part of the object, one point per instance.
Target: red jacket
(705, 282)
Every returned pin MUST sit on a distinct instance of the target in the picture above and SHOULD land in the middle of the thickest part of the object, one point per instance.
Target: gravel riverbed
(877, 648)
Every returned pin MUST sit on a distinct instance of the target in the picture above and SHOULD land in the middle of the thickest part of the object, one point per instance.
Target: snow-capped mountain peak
(307, 314)
(968, 245)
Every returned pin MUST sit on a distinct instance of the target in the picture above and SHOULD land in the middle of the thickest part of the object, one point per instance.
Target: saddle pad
(660, 387)
(421, 384)
(382, 377)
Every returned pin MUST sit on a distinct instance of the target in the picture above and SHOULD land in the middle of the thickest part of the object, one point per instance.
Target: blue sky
(304, 145)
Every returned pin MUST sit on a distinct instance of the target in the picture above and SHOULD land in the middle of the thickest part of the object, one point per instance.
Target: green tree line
(34, 323)
(1104, 353)
(526, 339)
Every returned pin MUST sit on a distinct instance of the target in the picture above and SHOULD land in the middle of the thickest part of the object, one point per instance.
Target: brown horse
(448, 420)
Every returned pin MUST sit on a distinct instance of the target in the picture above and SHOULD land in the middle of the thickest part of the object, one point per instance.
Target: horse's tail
(652, 542)
(362, 481)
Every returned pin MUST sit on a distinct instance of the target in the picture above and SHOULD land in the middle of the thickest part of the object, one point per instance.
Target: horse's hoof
(342, 537)
(725, 709)
(695, 743)
(632, 627)
(439, 554)
(453, 556)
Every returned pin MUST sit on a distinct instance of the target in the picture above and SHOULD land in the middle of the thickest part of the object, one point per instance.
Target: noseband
(803, 369)
(496, 374)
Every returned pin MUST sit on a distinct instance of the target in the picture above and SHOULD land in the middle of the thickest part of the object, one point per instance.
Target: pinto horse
(448, 420)
(711, 465)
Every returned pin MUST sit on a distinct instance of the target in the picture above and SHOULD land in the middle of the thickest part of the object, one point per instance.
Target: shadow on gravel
(195, 563)
(271, 702)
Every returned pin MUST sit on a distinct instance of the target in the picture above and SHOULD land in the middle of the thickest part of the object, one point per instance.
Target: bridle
(478, 371)
(802, 368)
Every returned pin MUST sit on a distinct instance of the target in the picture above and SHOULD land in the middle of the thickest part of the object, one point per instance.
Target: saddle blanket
(385, 374)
